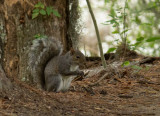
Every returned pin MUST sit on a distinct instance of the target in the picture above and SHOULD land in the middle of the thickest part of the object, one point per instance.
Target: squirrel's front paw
(81, 73)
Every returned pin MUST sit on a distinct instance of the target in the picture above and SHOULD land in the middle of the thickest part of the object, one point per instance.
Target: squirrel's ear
(72, 51)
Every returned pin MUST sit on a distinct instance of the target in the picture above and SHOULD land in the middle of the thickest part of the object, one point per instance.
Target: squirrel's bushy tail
(41, 51)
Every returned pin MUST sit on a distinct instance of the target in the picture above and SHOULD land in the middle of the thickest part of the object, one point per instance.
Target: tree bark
(5, 83)
(17, 30)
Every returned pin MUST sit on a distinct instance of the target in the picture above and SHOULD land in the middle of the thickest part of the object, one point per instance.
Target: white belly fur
(66, 80)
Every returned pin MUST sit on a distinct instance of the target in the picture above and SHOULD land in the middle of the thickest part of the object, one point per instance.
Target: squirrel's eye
(77, 57)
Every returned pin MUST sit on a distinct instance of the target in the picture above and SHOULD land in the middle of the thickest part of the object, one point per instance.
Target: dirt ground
(129, 93)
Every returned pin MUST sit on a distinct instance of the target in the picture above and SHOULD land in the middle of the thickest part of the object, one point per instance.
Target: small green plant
(40, 9)
(135, 67)
(126, 63)
(118, 22)
(118, 18)
(129, 24)
(111, 50)
(138, 43)
(39, 36)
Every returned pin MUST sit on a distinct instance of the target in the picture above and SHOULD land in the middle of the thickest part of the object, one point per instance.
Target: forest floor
(127, 92)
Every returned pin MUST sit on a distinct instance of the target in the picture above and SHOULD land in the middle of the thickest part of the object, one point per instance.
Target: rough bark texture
(17, 30)
(5, 84)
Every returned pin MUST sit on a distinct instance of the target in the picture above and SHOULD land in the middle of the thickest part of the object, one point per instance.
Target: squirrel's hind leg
(53, 83)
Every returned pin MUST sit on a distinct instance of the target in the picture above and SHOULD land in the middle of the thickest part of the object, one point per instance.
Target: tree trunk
(17, 30)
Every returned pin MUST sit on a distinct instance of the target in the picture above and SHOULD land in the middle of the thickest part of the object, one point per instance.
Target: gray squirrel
(49, 68)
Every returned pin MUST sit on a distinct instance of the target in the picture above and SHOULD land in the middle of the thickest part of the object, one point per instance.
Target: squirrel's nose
(84, 64)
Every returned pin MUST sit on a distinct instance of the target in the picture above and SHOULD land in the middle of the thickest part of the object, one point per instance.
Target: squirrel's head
(77, 57)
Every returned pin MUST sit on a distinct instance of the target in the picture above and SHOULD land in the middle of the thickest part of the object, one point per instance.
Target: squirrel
(49, 68)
